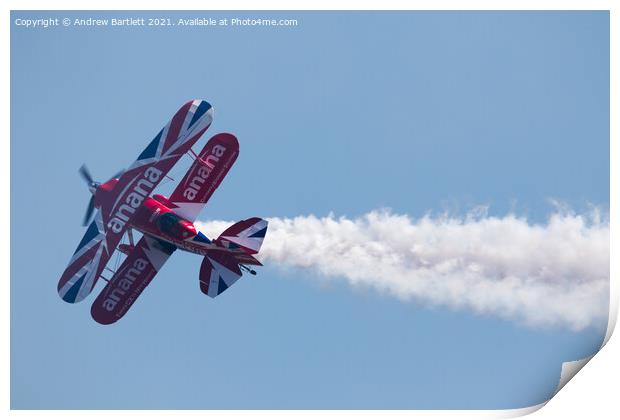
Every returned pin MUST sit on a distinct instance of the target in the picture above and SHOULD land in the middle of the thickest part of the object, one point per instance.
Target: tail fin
(247, 235)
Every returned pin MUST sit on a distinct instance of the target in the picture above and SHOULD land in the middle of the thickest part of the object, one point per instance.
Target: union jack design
(219, 271)
(86, 264)
(188, 124)
(247, 234)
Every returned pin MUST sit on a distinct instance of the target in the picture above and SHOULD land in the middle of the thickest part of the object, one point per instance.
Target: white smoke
(541, 275)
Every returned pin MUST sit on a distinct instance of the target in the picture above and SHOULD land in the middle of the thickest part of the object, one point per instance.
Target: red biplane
(125, 203)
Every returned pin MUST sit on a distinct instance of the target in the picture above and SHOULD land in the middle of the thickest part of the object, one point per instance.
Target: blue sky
(347, 112)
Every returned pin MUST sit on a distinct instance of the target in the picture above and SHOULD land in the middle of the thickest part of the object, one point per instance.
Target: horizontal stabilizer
(247, 235)
(246, 259)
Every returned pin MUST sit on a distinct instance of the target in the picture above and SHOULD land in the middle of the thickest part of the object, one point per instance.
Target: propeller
(86, 174)
(92, 187)
(89, 210)
(87, 177)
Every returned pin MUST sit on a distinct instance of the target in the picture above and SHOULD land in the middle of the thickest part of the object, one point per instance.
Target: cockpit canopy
(173, 225)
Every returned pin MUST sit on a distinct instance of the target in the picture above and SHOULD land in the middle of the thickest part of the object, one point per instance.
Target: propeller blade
(86, 174)
(89, 210)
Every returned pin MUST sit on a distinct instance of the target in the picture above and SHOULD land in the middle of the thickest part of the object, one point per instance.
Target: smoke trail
(542, 275)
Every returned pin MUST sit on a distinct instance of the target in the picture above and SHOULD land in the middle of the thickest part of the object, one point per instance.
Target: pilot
(174, 226)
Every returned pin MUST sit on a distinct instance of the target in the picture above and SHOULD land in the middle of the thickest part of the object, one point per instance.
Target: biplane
(126, 203)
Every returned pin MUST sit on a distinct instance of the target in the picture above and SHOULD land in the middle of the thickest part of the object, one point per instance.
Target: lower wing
(204, 176)
(132, 277)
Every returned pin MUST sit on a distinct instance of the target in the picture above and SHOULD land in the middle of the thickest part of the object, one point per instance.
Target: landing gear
(247, 269)
(127, 248)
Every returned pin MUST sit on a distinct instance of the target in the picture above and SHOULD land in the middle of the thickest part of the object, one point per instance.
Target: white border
(593, 395)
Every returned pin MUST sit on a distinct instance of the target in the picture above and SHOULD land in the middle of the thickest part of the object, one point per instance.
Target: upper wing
(143, 176)
(205, 175)
(132, 277)
(116, 209)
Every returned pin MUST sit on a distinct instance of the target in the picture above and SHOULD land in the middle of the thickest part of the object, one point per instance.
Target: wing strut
(101, 276)
(192, 153)
(130, 236)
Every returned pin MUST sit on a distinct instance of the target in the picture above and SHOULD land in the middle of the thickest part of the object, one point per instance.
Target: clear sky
(346, 112)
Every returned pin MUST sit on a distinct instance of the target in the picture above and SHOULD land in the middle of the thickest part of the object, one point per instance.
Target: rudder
(219, 271)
